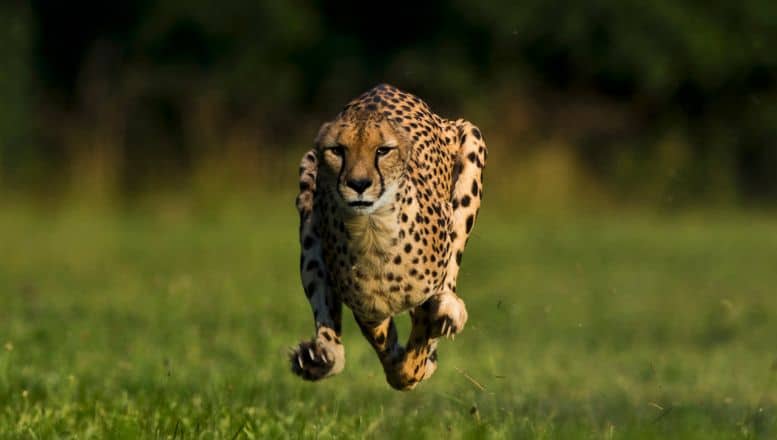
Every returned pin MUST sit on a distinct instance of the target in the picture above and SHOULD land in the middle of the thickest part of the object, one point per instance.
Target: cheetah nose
(359, 185)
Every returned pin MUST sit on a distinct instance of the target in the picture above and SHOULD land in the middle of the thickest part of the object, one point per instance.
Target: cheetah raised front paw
(449, 315)
(314, 360)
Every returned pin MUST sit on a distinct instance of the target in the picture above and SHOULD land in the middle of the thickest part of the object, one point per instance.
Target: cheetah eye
(382, 151)
(338, 150)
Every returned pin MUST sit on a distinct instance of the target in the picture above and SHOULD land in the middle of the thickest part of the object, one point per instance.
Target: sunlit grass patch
(151, 324)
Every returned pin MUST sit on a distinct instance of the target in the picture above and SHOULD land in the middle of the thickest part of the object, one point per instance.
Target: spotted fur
(388, 198)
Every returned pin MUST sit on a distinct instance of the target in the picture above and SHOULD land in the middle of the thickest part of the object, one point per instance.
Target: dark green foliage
(182, 76)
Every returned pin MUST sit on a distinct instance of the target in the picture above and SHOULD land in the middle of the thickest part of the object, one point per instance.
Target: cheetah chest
(372, 268)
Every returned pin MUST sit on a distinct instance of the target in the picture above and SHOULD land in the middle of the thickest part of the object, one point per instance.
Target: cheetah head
(363, 160)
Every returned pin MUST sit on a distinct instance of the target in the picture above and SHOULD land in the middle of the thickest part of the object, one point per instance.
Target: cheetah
(387, 200)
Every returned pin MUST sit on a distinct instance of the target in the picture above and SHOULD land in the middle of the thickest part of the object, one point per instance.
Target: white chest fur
(372, 237)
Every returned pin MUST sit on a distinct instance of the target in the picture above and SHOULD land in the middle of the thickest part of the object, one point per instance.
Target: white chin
(361, 206)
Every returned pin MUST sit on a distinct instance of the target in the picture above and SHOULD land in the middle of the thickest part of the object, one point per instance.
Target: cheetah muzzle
(388, 198)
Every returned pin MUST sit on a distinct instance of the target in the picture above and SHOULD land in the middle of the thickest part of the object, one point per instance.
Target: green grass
(169, 325)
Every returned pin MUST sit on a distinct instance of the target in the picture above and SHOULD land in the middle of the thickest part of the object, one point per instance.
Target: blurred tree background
(668, 102)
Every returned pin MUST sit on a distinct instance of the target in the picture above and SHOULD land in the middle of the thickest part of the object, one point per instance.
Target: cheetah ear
(323, 131)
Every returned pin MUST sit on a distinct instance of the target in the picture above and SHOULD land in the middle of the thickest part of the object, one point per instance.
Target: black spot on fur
(311, 289)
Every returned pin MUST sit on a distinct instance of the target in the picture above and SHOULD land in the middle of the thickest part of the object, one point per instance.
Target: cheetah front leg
(324, 355)
(448, 311)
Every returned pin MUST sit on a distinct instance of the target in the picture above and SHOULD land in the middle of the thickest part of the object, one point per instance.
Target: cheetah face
(363, 160)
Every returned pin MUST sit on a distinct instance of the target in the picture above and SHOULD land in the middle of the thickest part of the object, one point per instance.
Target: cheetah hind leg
(419, 361)
(382, 336)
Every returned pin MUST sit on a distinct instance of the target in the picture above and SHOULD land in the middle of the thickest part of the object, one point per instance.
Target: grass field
(171, 325)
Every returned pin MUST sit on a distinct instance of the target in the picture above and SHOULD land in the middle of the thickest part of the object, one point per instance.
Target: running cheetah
(388, 197)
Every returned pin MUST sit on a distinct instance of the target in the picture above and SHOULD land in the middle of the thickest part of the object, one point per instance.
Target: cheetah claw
(314, 360)
(450, 315)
